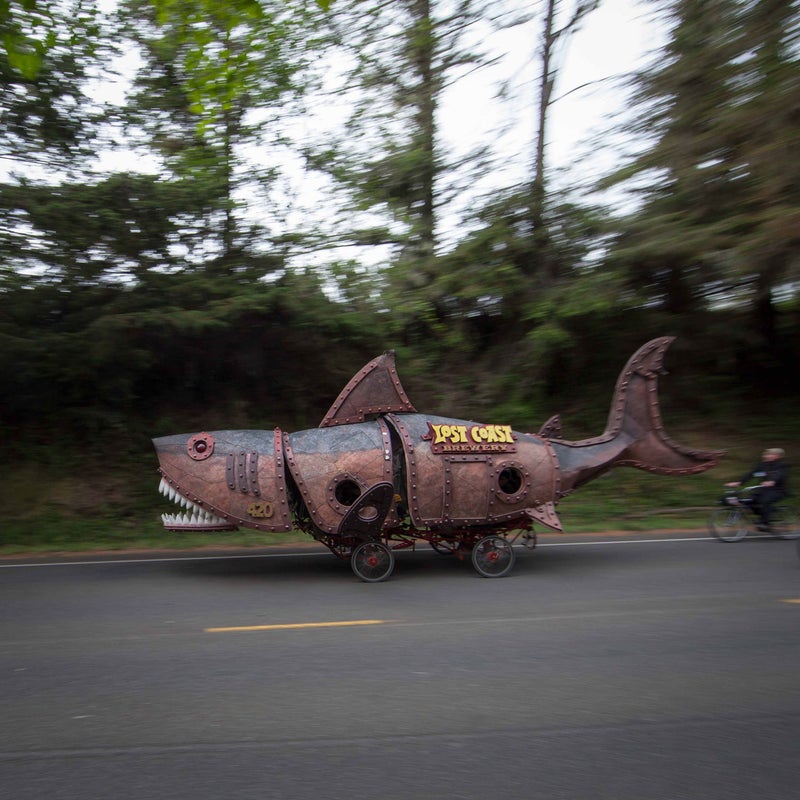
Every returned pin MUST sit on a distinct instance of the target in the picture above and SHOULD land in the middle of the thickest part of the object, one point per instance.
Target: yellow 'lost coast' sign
(457, 438)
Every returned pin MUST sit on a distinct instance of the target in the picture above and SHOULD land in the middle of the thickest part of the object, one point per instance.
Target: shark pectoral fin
(546, 515)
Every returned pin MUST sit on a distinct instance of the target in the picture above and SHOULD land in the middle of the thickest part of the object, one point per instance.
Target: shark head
(224, 479)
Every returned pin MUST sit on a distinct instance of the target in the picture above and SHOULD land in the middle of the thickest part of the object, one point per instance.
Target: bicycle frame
(738, 517)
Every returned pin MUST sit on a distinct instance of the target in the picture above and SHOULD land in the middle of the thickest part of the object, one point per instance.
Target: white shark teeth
(195, 518)
(194, 521)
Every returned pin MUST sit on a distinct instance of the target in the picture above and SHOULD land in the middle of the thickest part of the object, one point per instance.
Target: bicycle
(739, 516)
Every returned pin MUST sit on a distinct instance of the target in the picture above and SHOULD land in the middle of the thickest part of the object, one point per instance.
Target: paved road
(633, 670)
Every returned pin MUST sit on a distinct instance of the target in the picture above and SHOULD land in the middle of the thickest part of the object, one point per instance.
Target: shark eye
(200, 446)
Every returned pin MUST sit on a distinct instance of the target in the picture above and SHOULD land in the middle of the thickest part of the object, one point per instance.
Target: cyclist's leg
(767, 497)
(759, 505)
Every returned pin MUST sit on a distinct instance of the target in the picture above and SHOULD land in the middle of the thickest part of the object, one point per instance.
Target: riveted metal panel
(242, 472)
(425, 470)
(320, 458)
(537, 467)
(242, 480)
(465, 489)
(374, 389)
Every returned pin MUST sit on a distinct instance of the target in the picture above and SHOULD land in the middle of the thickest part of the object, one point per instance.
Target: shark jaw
(194, 518)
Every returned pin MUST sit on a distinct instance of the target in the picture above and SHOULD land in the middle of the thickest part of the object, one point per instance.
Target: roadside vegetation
(165, 267)
(73, 508)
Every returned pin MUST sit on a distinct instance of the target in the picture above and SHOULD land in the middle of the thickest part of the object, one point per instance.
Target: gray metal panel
(322, 459)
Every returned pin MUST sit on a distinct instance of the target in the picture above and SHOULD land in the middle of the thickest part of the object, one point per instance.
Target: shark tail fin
(635, 417)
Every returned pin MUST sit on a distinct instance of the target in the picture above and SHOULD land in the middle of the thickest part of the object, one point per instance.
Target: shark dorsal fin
(552, 428)
(374, 389)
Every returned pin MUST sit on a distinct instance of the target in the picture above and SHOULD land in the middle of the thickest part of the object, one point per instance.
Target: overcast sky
(617, 38)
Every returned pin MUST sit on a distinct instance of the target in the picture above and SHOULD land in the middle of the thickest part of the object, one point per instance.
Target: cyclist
(772, 473)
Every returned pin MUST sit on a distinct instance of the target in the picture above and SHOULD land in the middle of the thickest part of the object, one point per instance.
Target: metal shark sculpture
(377, 476)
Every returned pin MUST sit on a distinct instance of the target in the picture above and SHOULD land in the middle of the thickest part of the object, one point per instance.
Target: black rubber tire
(493, 557)
(372, 562)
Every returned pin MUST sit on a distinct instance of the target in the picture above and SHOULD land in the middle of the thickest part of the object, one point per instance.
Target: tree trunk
(538, 188)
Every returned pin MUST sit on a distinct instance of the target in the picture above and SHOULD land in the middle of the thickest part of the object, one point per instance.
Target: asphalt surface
(603, 667)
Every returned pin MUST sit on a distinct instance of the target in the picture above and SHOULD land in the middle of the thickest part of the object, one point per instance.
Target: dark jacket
(777, 471)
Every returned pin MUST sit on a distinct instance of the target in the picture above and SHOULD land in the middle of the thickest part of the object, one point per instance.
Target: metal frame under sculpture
(377, 476)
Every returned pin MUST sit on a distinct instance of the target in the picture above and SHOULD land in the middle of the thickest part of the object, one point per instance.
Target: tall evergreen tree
(553, 37)
(717, 183)
(214, 83)
(764, 126)
(522, 273)
(48, 129)
(389, 158)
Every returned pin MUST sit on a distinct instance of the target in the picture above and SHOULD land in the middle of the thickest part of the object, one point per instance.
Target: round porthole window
(511, 483)
(347, 491)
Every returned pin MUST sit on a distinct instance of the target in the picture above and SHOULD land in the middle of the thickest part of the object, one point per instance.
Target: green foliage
(49, 508)
(47, 52)
(138, 304)
(388, 157)
(720, 188)
(27, 32)
(116, 359)
(220, 56)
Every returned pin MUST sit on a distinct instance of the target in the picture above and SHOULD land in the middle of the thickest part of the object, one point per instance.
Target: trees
(393, 162)
(28, 29)
(765, 129)
(130, 290)
(552, 38)
(42, 114)
(522, 272)
(388, 160)
(47, 130)
(187, 282)
(208, 99)
(718, 186)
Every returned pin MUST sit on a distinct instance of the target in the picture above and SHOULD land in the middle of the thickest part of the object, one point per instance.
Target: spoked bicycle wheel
(728, 524)
(372, 562)
(785, 523)
(493, 557)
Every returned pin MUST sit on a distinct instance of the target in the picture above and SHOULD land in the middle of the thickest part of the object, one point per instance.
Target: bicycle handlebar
(733, 494)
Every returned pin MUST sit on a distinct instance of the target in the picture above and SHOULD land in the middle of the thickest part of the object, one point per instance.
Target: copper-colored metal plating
(377, 470)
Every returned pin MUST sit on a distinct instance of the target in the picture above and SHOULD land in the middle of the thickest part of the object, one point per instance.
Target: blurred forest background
(159, 273)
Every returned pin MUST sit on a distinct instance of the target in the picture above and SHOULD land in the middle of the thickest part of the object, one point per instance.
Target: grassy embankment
(51, 509)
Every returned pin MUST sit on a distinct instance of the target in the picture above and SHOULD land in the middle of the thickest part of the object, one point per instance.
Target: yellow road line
(796, 602)
(292, 625)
